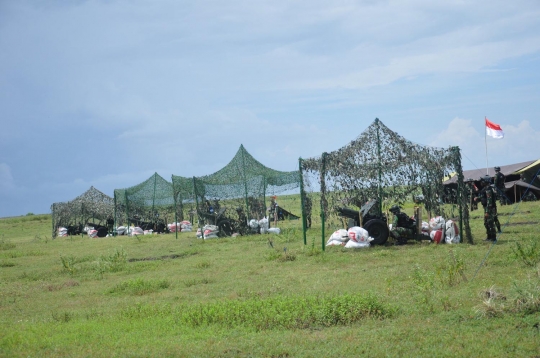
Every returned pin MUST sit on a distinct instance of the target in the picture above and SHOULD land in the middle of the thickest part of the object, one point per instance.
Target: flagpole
(485, 139)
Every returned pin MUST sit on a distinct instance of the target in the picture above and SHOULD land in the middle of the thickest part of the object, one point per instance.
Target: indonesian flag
(494, 130)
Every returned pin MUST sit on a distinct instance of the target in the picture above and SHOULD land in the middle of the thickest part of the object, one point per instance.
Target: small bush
(528, 251)
(139, 286)
(6, 245)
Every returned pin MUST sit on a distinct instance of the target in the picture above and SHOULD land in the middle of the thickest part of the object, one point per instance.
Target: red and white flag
(494, 130)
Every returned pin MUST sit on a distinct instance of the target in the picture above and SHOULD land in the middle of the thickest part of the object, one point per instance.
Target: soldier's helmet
(394, 209)
(497, 169)
(486, 179)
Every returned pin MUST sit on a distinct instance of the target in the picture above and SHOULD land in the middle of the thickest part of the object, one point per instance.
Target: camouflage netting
(382, 165)
(147, 204)
(243, 185)
(184, 198)
(91, 206)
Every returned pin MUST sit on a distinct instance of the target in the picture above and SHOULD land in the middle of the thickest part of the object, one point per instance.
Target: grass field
(159, 296)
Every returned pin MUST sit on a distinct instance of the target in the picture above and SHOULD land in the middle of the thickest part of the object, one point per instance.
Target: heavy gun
(375, 224)
(226, 225)
(102, 231)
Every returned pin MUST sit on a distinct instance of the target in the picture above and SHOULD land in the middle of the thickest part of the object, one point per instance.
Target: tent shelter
(517, 190)
(518, 177)
(380, 164)
(91, 206)
(147, 204)
(242, 184)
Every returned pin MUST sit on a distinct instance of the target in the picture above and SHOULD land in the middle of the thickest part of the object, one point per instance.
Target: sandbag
(356, 245)
(436, 235)
(174, 227)
(274, 230)
(358, 234)
(210, 232)
(186, 226)
(62, 232)
(452, 233)
(425, 228)
(135, 231)
(92, 233)
(199, 233)
(436, 223)
(335, 243)
(121, 230)
(263, 224)
(339, 235)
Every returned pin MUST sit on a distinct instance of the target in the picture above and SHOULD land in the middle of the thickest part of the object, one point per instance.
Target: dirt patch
(523, 223)
(165, 257)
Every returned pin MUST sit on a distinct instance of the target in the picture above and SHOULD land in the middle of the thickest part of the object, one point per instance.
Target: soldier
(499, 180)
(473, 192)
(307, 209)
(402, 226)
(487, 197)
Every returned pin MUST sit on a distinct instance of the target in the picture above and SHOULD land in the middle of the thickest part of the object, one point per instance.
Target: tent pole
(302, 200)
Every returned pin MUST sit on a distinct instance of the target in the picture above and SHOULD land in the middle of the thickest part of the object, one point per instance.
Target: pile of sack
(208, 232)
(262, 227)
(441, 228)
(354, 238)
(62, 232)
(181, 226)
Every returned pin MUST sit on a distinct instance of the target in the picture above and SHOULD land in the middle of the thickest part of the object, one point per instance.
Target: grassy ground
(155, 295)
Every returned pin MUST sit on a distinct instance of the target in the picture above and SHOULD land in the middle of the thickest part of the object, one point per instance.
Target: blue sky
(106, 93)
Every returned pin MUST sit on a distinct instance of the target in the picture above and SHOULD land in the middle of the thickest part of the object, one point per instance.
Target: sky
(107, 93)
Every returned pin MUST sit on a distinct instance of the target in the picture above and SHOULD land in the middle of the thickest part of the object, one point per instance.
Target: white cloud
(519, 144)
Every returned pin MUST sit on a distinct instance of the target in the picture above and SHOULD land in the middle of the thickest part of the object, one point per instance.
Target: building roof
(505, 169)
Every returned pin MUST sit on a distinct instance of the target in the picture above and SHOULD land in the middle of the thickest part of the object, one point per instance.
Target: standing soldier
(307, 210)
(499, 180)
(487, 197)
(473, 192)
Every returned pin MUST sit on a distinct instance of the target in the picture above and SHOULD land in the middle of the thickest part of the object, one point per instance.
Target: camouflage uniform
(499, 180)
(488, 198)
(307, 209)
(399, 232)
(472, 194)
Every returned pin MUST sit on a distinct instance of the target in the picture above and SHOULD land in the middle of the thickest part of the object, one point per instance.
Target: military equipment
(394, 209)
(375, 225)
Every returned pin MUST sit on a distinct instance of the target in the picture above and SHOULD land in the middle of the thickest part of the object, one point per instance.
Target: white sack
(135, 231)
(436, 223)
(356, 245)
(436, 235)
(335, 243)
(210, 232)
(358, 234)
(452, 233)
(92, 233)
(340, 235)
(62, 232)
(274, 230)
(121, 230)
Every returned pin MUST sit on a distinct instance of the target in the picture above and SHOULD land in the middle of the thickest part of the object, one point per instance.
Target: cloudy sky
(106, 93)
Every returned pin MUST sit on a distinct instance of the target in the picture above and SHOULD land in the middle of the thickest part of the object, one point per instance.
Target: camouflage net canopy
(240, 190)
(91, 206)
(184, 198)
(145, 205)
(380, 164)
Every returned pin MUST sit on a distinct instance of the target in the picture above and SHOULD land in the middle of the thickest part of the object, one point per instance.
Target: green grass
(269, 295)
